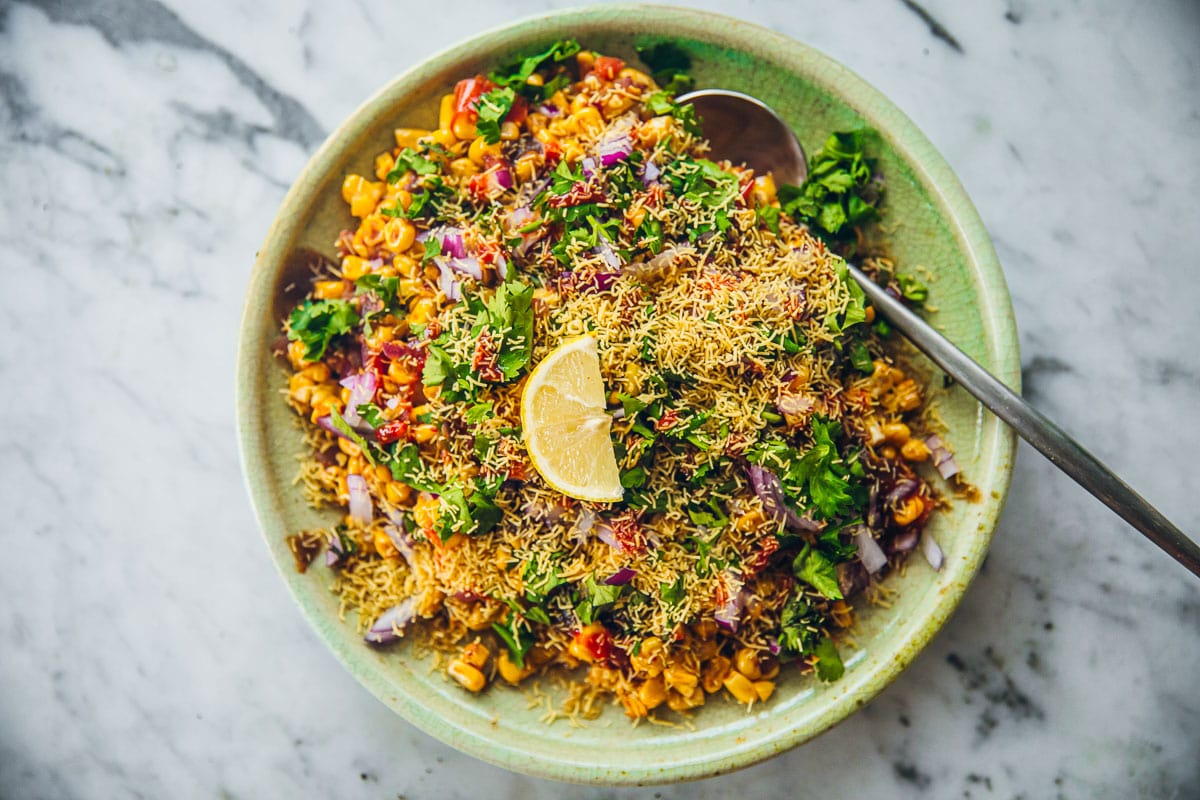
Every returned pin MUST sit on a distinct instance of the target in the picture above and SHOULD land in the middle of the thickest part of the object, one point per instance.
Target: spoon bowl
(746, 130)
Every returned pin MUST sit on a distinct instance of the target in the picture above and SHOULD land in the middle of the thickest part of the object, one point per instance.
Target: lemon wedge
(566, 425)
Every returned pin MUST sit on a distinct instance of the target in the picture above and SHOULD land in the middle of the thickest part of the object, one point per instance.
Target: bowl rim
(929, 169)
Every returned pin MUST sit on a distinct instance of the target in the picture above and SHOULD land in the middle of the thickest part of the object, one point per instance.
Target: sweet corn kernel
(353, 268)
(480, 148)
(446, 112)
(588, 120)
(464, 128)
(908, 512)
(328, 290)
(445, 137)
(653, 692)
(397, 493)
(746, 662)
(764, 689)
(384, 544)
(411, 137)
(468, 676)
(914, 450)
(399, 234)
(384, 163)
(740, 687)
(476, 654)
(896, 433)
(423, 434)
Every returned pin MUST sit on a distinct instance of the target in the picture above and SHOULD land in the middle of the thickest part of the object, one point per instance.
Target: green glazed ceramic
(933, 224)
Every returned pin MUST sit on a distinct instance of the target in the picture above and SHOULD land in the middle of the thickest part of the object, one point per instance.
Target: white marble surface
(147, 648)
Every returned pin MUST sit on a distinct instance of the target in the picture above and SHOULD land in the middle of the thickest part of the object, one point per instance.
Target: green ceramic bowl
(934, 225)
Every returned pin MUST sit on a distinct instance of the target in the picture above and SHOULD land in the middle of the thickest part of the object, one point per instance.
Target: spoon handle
(1063, 451)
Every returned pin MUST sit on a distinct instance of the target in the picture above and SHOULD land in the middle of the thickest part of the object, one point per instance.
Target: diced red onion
(618, 413)
(769, 490)
(773, 646)
(650, 173)
(335, 552)
(549, 109)
(903, 490)
(588, 166)
(932, 552)
(503, 177)
(401, 540)
(621, 577)
(608, 255)
(387, 628)
(794, 405)
(548, 513)
(852, 578)
(502, 268)
(905, 541)
(452, 243)
(869, 552)
(467, 266)
(604, 533)
(446, 280)
(615, 148)
(583, 526)
(943, 459)
(326, 422)
(361, 507)
(362, 390)
(520, 217)
(729, 616)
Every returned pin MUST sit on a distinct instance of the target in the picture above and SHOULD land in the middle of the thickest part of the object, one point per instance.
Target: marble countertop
(147, 647)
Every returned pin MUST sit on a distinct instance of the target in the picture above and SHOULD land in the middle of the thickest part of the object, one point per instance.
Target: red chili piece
(392, 431)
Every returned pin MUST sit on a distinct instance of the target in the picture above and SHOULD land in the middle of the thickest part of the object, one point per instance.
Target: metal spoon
(746, 130)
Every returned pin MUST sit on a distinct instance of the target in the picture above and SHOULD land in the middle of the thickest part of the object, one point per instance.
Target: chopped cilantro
(493, 107)
(344, 428)
(517, 74)
(829, 663)
(812, 567)
(911, 288)
(860, 357)
(411, 160)
(316, 323)
(673, 593)
(478, 413)
(669, 64)
(838, 191)
(518, 641)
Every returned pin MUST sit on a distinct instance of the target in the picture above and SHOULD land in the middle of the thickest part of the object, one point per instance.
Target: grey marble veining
(147, 648)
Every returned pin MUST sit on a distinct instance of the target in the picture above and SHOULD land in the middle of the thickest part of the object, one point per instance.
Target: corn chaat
(766, 445)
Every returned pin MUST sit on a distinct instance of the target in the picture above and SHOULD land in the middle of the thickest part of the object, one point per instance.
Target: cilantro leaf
(316, 323)
(344, 428)
(517, 641)
(839, 190)
(518, 73)
(662, 102)
(406, 467)
(493, 107)
(812, 567)
(510, 313)
(673, 593)
(669, 64)
(860, 357)
(478, 413)
(829, 663)
(800, 624)
(911, 288)
(411, 160)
